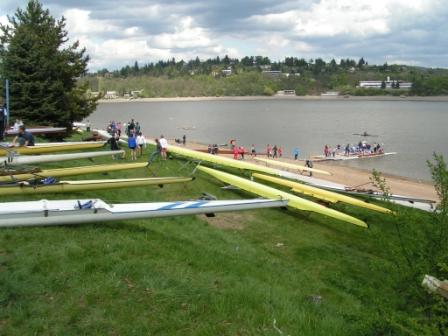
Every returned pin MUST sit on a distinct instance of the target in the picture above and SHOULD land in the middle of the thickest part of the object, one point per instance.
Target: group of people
(239, 151)
(213, 149)
(362, 148)
(136, 141)
(274, 151)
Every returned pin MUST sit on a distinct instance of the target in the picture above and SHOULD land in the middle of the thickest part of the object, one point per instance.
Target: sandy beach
(353, 177)
(276, 97)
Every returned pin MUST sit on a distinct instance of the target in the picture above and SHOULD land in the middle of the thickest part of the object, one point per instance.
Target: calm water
(413, 129)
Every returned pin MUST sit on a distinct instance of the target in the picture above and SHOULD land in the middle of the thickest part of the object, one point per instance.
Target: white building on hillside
(388, 84)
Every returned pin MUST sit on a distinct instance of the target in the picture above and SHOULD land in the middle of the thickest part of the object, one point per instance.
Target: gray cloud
(145, 30)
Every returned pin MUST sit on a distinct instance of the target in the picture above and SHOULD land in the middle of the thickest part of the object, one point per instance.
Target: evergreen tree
(43, 69)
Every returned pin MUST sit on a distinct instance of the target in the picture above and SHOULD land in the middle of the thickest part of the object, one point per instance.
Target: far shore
(277, 97)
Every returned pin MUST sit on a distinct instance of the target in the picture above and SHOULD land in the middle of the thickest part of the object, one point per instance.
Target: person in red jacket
(235, 152)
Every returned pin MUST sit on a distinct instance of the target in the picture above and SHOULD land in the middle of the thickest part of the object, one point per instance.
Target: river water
(414, 129)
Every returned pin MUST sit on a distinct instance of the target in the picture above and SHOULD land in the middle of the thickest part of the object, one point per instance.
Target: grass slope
(310, 274)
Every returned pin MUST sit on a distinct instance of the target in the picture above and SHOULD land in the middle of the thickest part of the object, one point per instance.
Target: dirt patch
(229, 221)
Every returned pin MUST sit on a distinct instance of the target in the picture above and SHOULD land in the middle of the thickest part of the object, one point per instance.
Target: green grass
(183, 276)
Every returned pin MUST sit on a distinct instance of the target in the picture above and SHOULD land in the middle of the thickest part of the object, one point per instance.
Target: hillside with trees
(258, 75)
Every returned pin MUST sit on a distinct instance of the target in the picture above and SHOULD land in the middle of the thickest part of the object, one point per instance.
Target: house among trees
(111, 95)
(227, 72)
(387, 84)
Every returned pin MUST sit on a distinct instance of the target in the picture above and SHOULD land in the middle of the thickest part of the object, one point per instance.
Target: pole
(7, 100)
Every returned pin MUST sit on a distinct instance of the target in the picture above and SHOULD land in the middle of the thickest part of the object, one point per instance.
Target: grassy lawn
(234, 274)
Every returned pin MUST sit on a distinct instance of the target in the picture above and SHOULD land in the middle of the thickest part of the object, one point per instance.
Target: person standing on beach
(184, 140)
(163, 146)
(326, 151)
(242, 150)
(347, 150)
(295, 153)
(309, 164)
(280, 152)
(268, 150)
(235, 152)
(253, 151)
(274, 151)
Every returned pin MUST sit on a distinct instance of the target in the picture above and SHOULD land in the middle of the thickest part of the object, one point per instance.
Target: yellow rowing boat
(50, 148)
(325, 195)
(72, 171)
(76, 186)
(272, 193)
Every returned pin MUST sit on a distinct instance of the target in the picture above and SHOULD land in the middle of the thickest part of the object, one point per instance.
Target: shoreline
(299, 98)
(351, 176)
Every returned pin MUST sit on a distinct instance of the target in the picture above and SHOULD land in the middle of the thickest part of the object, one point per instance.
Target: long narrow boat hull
(272, 193)
(77, 186)
(49, 148)
(291, 166)
(39, 130)
(320, 193)
(339, 157)
(73, 171)
(32, 159)
(45, 213)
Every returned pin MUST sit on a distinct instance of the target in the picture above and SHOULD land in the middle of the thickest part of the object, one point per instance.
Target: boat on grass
(83, 185)
(324, 195)
(71, 171)
(69, 212)
(50, 148)
(272, 193)
(14, 159)
(39, 130)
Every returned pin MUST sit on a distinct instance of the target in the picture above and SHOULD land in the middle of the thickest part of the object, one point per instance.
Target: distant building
(94, 94)
(265, 67)
(330, 94)
(226, 72)
(136, 93)
(388, 84)
(272, 73)
(286, 93)
(111, 95)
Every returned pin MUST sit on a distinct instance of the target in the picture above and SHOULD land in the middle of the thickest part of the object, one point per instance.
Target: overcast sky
(117, 33)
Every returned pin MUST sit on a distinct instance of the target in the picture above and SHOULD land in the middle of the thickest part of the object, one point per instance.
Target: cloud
(117, 33)
(185, 35)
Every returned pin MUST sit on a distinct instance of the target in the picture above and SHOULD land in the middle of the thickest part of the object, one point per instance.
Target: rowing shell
(291, 166)
(39, 130)
(339, 157)
(76, 186)
(40, 213)
(321, 194)
(32, 159)
(72, 171)
(50, 148)
(272, 193)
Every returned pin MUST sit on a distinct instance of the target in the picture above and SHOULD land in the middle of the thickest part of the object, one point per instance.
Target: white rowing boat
(339, 157)
(39, 130)
(44, 212)
(18, 159)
